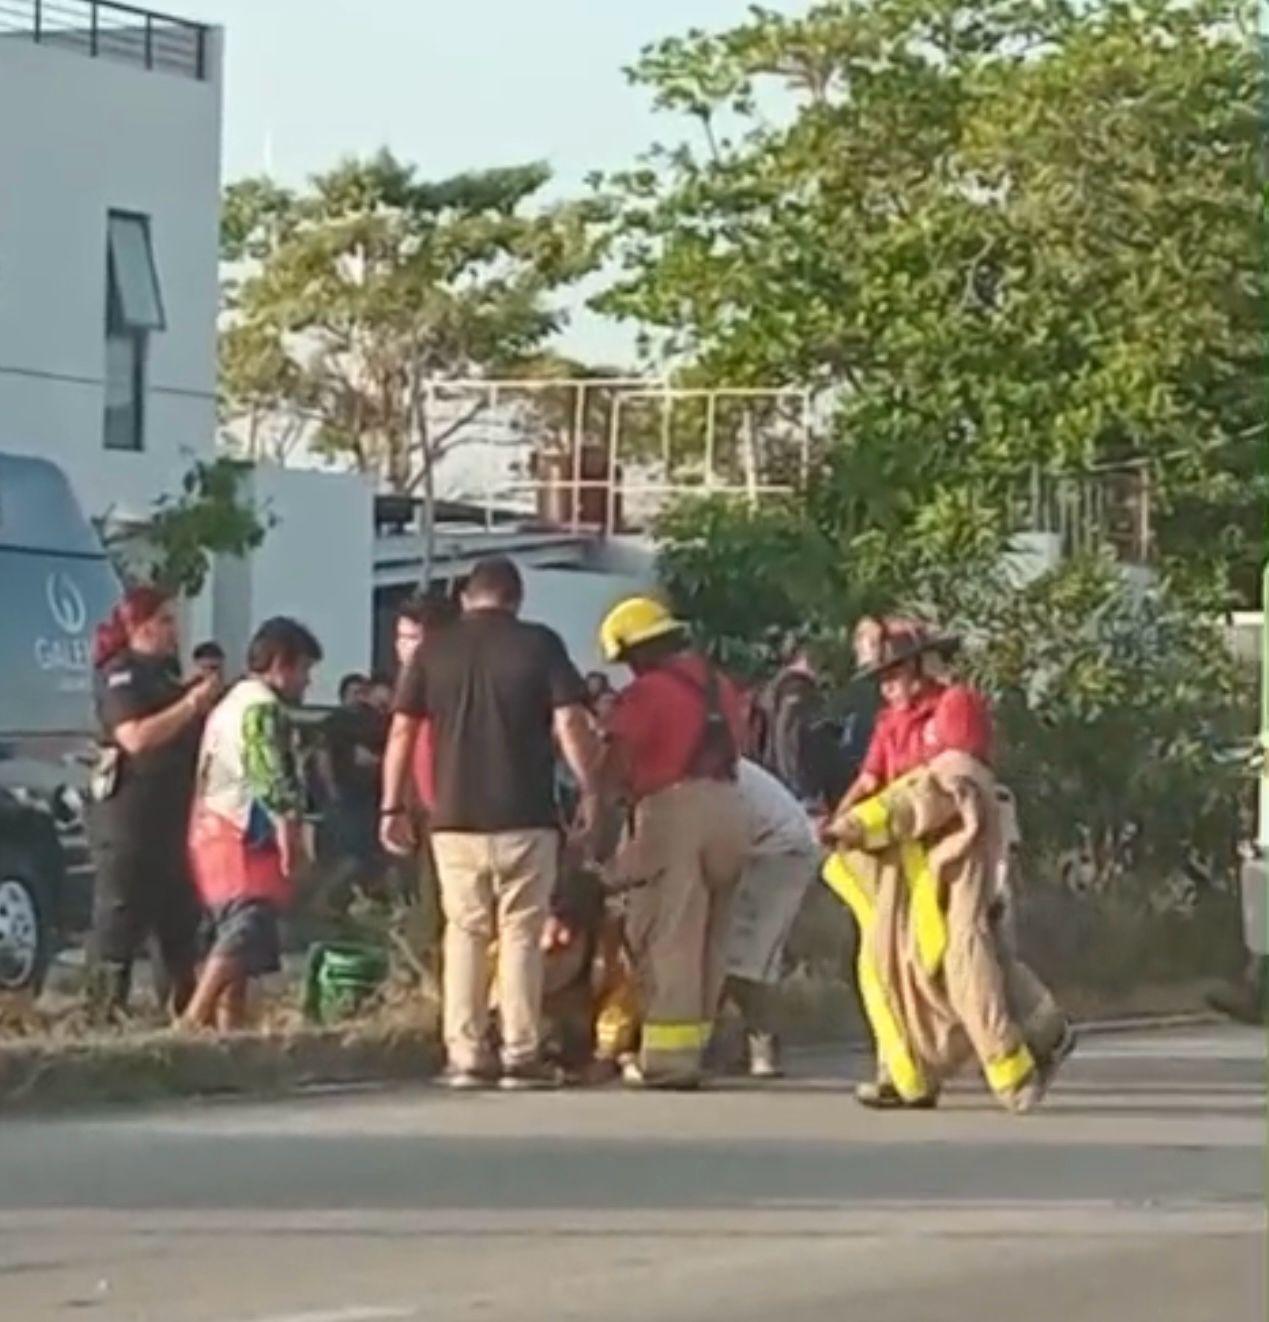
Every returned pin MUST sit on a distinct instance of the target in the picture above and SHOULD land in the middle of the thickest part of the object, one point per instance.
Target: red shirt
(425, 766)
(903, 737)
(660, 718)
(963, 724)
(943, 718)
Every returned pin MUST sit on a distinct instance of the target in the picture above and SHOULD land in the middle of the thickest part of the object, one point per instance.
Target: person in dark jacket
(807, 748)
(793, 710)
(143, 788)
(863, 706)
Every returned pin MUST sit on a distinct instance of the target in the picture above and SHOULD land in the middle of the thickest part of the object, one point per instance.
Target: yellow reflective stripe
(675, 1036)
(873, 815)
(848, 888)
(901, 1066)
(927, 914)
(1007, 1073)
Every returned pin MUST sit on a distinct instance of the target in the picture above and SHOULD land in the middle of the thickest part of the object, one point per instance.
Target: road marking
(1234, 1049)
(343, 1315)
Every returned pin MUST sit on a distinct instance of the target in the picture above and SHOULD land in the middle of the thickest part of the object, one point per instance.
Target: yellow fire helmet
(633, 621)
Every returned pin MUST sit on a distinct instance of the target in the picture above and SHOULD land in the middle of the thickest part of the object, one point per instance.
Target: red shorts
(226, 869)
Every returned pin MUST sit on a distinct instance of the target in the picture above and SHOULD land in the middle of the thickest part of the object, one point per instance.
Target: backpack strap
(715, 755)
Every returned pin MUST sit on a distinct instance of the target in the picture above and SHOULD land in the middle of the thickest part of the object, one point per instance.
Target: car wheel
(26, 939)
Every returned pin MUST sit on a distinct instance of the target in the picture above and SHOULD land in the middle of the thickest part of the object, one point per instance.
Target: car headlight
(67, 806)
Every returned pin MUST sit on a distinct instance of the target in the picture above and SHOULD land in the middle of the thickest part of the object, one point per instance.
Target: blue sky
(448, 84)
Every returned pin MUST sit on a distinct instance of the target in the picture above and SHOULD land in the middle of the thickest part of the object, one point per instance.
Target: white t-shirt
(778, 823)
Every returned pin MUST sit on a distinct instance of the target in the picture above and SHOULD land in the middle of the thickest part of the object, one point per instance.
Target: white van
(56, 585)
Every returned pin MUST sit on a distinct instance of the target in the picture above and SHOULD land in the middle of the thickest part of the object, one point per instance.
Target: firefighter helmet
(633, 621)
(904, 640)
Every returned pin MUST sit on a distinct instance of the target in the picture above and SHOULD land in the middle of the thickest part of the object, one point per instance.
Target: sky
(450, 85)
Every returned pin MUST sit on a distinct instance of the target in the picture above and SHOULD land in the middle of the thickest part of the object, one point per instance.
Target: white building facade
(110, 185)
(110, 142)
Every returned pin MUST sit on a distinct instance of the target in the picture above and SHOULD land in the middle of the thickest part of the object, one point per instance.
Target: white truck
(56, 585)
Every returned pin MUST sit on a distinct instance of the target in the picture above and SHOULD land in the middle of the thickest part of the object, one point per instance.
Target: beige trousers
(922, 882)
(688, 846)
(494, 887)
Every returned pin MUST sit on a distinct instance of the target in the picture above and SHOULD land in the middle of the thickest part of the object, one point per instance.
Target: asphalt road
(1138, 1194)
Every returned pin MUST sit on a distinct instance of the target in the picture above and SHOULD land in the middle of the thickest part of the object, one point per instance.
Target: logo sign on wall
(69, 654)
(66, 603)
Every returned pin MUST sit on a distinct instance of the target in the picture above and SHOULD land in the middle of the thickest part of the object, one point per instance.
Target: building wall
(80, 137)
(314, 565)
(574, 602)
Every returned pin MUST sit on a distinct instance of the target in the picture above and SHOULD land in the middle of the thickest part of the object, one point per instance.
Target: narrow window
(134, 310)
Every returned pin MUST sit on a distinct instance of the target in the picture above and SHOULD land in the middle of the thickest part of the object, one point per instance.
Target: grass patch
(46, 1073)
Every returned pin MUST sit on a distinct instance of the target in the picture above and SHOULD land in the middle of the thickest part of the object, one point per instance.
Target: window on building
(134, 311)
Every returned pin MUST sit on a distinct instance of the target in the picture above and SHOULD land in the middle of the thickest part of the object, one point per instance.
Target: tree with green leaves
(997, 236)
(343, 299)
(211, 515)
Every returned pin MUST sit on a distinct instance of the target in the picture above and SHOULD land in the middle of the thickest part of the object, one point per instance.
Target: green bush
(1120, 715)
(1120, 710)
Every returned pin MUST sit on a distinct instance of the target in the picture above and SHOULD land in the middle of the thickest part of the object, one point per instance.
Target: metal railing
(608, 455)
(1109, 506)
(104, 29)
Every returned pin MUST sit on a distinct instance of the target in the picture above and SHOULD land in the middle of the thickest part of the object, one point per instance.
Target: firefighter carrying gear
(917, 866)
(633, 621)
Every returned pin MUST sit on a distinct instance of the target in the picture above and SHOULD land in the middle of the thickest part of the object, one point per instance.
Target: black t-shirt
(490, 686)
(345, 731)
(154, 789)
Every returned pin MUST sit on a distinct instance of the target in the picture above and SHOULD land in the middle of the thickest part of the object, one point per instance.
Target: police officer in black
(151, 724)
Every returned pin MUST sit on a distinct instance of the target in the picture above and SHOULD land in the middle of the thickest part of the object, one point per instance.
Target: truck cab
(56, 585)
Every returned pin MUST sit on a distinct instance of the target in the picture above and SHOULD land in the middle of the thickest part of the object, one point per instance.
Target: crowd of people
(602, 869)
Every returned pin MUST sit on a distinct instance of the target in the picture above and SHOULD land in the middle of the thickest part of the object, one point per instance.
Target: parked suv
(56, 584)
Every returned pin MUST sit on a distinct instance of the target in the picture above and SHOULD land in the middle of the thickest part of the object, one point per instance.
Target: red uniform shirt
(903, 737)
(962, 724)
(943, 718)
(659, 721)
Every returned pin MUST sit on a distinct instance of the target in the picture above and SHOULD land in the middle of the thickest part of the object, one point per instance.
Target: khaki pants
(494, 887)
(688, 845)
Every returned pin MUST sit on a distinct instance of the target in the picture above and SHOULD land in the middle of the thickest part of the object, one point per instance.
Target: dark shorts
(246, 931)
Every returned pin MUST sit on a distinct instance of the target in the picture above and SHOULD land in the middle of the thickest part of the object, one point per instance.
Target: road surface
(1136, 1196)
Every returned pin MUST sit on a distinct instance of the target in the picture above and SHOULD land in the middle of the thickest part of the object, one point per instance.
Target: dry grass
(52, 1054)
(1105, 958)
(281, 1055)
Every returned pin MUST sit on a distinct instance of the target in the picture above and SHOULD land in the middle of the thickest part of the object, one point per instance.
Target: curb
(44, 1077)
